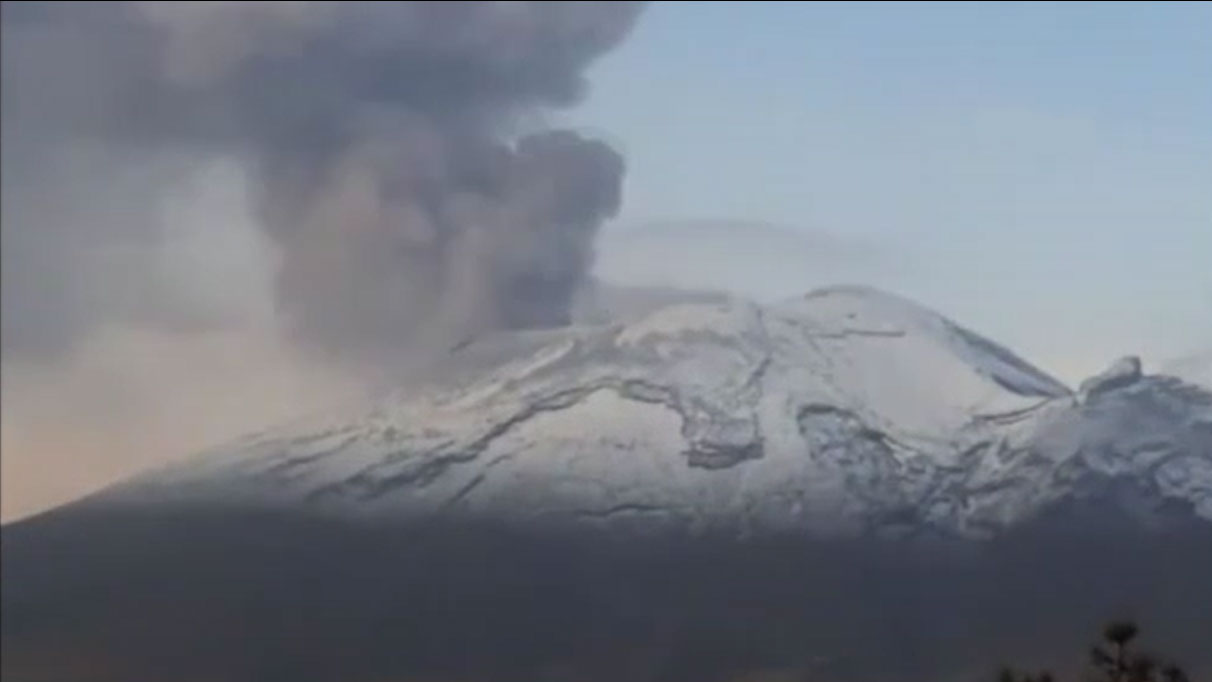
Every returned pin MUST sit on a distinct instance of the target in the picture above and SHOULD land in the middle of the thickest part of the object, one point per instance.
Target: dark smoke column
(390, 145)
(406, 213)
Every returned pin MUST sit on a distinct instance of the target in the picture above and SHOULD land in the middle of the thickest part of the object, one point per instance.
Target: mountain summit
(845, 411)
(845, 486)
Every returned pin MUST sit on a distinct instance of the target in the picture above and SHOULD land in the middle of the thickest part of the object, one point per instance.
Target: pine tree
(1113, 660)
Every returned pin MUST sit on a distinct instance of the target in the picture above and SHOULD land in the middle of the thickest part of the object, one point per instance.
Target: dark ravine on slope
(958, 555)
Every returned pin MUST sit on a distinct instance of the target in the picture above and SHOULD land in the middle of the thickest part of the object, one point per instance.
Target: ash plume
(389, 148)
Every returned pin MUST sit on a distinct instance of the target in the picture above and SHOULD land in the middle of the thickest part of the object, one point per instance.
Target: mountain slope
(789, 488)
(844, 411)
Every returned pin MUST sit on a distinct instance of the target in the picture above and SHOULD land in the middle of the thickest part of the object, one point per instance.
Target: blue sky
(1042, 172)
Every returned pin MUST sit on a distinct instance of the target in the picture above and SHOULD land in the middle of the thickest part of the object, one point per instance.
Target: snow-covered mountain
(844, 411)
(789, 487)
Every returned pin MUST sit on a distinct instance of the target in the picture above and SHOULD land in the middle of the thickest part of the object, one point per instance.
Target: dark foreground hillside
(148, 596)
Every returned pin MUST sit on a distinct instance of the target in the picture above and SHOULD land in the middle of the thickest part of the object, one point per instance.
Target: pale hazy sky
(1042, 172)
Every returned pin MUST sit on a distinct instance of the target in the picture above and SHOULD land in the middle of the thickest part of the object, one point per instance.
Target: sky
(1039, 172)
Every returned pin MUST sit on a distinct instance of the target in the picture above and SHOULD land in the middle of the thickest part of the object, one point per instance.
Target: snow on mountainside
(846, 410)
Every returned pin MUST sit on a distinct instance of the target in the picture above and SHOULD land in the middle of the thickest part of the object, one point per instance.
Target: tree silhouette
(1011, 675)
(1113, 660)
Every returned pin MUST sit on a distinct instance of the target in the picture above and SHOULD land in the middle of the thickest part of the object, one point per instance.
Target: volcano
(841, 486)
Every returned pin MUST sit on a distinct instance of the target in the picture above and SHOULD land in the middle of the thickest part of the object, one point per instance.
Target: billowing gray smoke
(390, 147)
